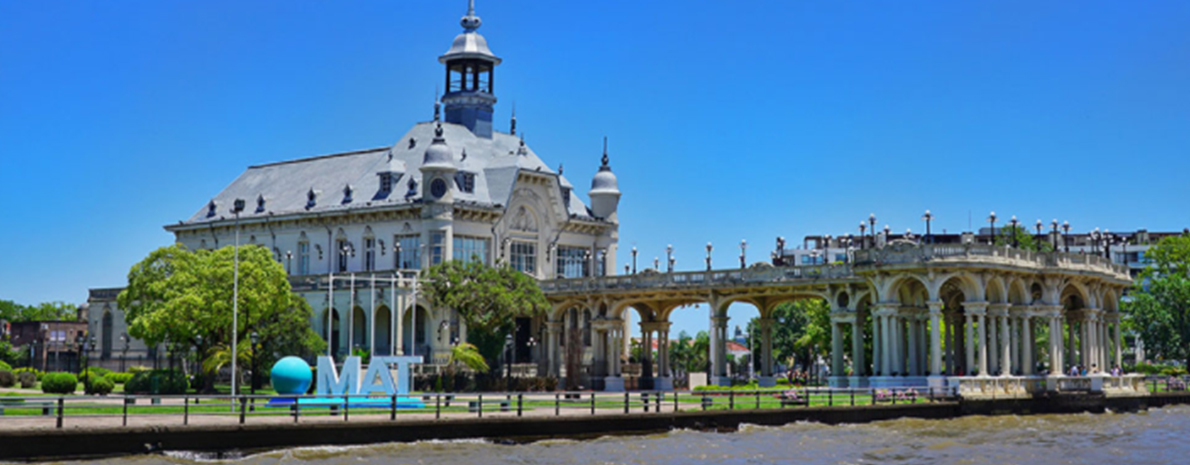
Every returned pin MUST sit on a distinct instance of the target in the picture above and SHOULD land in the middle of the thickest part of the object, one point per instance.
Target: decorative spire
(604, 154)
(559, 169)
(437, 109)
(471, 22)
(512, 129)
(438, 131)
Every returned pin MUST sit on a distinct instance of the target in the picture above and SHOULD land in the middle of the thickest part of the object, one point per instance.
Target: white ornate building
(450, 188)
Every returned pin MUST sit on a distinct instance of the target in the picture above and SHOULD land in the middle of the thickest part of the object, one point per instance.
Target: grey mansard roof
(285, 186)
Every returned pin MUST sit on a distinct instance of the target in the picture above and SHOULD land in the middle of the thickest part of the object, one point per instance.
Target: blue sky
(727, 120)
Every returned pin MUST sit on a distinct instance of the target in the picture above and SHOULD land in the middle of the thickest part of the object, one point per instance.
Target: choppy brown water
(1154, 437)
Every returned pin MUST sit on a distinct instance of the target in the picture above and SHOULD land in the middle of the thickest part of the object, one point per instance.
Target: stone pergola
(906, 314)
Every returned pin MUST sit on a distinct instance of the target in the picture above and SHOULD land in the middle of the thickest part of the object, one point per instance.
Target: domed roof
(438, 155)
(469, 44)
(604, 181)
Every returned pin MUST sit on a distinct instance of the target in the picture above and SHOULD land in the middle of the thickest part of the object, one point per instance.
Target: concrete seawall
(98, 442)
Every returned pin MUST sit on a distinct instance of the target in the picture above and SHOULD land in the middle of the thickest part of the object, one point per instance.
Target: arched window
(106, 343)
(303, 255)
(369, 250)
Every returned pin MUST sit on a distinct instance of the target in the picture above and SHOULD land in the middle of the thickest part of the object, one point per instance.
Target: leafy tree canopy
(488, 299)
(1025, 240)
(177, 295)
(15, 313)
(1160, 305)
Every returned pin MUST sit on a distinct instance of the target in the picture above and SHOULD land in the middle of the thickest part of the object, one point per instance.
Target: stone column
(896, 346)
(1006, 345)
(968, 327)
(952, 345)
(719, 370)
(935, 338)
(993, 344)
(1071, 348)
(1119, 346)
(1014, 342)
(913, 343)
(1056, 362)
(836, 349)
(1027, 362)
(857, 348)
(553, 349)
(766, 346)
(877, 342)
(980, 314)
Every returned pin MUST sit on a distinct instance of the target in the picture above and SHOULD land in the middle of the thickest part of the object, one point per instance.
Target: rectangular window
(303, 258)
(571, 262)
(468, 248)
(601, 262)
(369, 254)
(524, 257)
(409, 258)
(437, 242)
(806, 260)
(341, 249)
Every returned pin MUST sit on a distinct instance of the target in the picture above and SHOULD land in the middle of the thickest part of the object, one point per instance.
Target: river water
(1158, 436)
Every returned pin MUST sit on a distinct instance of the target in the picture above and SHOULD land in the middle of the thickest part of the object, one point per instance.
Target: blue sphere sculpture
(291, 375)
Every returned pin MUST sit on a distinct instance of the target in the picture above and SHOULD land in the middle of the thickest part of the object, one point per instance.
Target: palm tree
(468, 355)
(220, 356)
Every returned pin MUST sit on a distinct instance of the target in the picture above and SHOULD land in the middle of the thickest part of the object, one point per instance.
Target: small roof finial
(471, 22)
(604, 151)
(512, 129)
(559, 169)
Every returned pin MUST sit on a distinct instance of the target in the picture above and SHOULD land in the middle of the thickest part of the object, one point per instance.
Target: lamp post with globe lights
(709, 256)
(743, 252)
(992, 221)
(928, 217)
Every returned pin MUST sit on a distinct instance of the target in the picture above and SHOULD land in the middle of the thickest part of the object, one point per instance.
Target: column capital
(976, 308)
(655, 325)
(886, 308)
(935, 307)
(720, 321)
(553, 326)
(765, 323)
(998, 309)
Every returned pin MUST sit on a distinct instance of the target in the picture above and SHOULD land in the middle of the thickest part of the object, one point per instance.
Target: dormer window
(260, 203)
(311, 199)
(465, 181)
(412, 192)
(347, 193)
(211, 208)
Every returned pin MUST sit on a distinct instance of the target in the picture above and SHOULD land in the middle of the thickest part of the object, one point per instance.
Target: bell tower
(470, 78)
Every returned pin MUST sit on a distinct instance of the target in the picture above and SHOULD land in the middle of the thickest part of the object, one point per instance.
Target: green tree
(468, 355)
(52, 311)
(802, 330)
(488, 299)
(1024, 239)
(185, 297)
(1160, 307)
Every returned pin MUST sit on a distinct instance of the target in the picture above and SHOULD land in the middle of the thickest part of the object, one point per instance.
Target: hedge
(157, 382)
(101, 386)
(27, 379)
(118, 378)
(59, 383)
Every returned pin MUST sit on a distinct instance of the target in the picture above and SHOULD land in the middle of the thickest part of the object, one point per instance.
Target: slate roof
(285, 185)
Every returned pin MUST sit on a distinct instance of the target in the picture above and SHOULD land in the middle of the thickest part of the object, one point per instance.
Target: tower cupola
(470, 78)
(605, 190)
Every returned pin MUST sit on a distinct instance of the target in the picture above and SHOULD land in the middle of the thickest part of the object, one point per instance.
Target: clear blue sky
(727, 120)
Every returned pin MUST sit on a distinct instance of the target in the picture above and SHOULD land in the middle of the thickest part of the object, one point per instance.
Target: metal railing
(143, 410)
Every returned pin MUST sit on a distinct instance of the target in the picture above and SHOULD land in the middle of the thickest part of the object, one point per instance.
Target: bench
(794, 400)
(504, 403)
(46, 407)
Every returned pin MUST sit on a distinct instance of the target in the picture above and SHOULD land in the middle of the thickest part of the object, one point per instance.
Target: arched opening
(359, 329)
(413, 331)
(384, 340)
(332, 337)
(106, 344)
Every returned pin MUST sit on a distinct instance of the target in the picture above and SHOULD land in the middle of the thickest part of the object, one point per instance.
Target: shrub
(36, 374)
(138, 369)
(118, 378)
(100, 386)
(27, 379)
(5, 366)
(157, 382)
(97, 371)
(7, 379)
(59, 383)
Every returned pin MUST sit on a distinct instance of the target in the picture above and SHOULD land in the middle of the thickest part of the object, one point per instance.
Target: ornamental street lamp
(1107, 240)
(79, 342)
(1014, 223)
(255, 338)
(626, 269)
(669, 257)
(886, 234)
(826, 256)
(1094, 236)
(743, 252)
(1066, 235)
(862, 237)
(656, 264)
(507, 359)
(992, 220)
(397, 254)
(928, 217)
(872, 226)
(850, 249)
(124, 355)
(781, 249)
(237, 207)
(1038, 225)
(634, 259)
(709, 256)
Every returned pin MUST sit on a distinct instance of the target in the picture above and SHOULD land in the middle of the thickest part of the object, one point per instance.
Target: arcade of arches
(927, 312)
